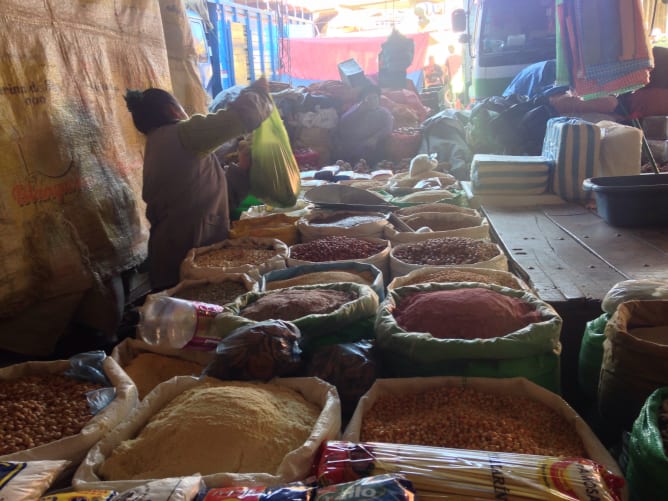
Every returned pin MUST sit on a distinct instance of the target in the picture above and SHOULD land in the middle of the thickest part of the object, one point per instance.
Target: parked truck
(500, 38)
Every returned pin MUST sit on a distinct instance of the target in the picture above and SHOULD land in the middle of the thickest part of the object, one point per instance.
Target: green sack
(532, 352)
(274, 174)
(648, 463)
(591, 355)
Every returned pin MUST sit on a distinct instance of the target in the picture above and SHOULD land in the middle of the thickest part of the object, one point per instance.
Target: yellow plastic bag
(274, 175)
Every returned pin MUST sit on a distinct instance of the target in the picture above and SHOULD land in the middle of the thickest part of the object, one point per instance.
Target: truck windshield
(517, 32)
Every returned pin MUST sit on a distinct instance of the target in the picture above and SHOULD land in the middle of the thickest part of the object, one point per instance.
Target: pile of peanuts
(39, 409)
(335, 248)
(232, 257)
(446, 251)
(466, 418)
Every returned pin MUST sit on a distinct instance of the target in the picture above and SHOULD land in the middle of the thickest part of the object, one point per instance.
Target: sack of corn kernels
(57, 421)
(251, 255)
(469, 329)
(505, 415)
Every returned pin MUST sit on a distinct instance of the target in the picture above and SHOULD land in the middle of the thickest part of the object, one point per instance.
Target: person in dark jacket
(187, 191)
(364, 128)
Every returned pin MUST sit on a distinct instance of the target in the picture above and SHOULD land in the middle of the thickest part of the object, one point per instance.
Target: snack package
(28, 480)
(166, 489)
(290, 492)
(443, 473)
(377, 488)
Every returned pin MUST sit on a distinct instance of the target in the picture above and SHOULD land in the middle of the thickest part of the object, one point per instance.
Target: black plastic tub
(639, 200)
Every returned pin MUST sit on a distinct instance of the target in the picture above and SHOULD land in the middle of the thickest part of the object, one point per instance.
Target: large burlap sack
(245, 246)
(71, 158)
(635, 360)
(532, 351)
(279, 226)
(295, 466)
(75, 447)
(512, 386)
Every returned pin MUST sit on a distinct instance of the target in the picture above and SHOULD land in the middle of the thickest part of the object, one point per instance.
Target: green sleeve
(202, 134)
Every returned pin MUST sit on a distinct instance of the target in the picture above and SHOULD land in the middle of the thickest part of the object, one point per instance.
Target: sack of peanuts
(510, 415)
(323, 223)
(250, 255)
(338, 248)
(325, 273)
(231, 432)
(149, 365)
(445, 274)
(57, 421)
(317, 310)
(446, 251)
(429, 225)
(469, 329)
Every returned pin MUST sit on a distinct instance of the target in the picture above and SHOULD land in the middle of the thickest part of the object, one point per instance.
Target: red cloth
(318, 58)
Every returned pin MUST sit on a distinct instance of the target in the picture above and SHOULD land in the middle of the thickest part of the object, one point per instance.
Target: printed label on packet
(234, 494)
(201, 340)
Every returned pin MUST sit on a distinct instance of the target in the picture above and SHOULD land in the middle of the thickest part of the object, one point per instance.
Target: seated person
(364, 128)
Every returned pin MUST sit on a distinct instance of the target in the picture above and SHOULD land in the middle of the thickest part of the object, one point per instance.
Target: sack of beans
(230, 432)
(323, 223)
(46, 412)
(635, 360)
(337, 248)
(469, 329)
(446, 251)
(317, 310)
(496, 415)
(325, 273)
(429, 225)
(250, 255)
(445, 274)
(149, 365)
(279, 226)
(219, 290)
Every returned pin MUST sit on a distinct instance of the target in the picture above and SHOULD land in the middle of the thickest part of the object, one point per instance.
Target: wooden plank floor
(568, 253)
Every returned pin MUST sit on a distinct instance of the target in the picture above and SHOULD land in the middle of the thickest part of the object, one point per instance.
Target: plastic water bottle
(177, 323)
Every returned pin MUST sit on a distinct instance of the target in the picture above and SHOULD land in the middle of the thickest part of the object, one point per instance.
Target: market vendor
(187, 191)
(364, 128)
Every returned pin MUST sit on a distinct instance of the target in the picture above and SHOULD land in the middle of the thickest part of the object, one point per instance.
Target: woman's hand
(254, 104)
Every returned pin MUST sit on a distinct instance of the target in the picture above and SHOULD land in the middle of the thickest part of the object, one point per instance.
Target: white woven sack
(371, 229)
(399, 268)
(295, 466)
(423, 274)
(190, 270)
(480, 231)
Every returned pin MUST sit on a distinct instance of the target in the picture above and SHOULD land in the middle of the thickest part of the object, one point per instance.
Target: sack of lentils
(250, 255)
(469, 329)
(337, 248)
(45, 412)
(446, 251)
(317, 310)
